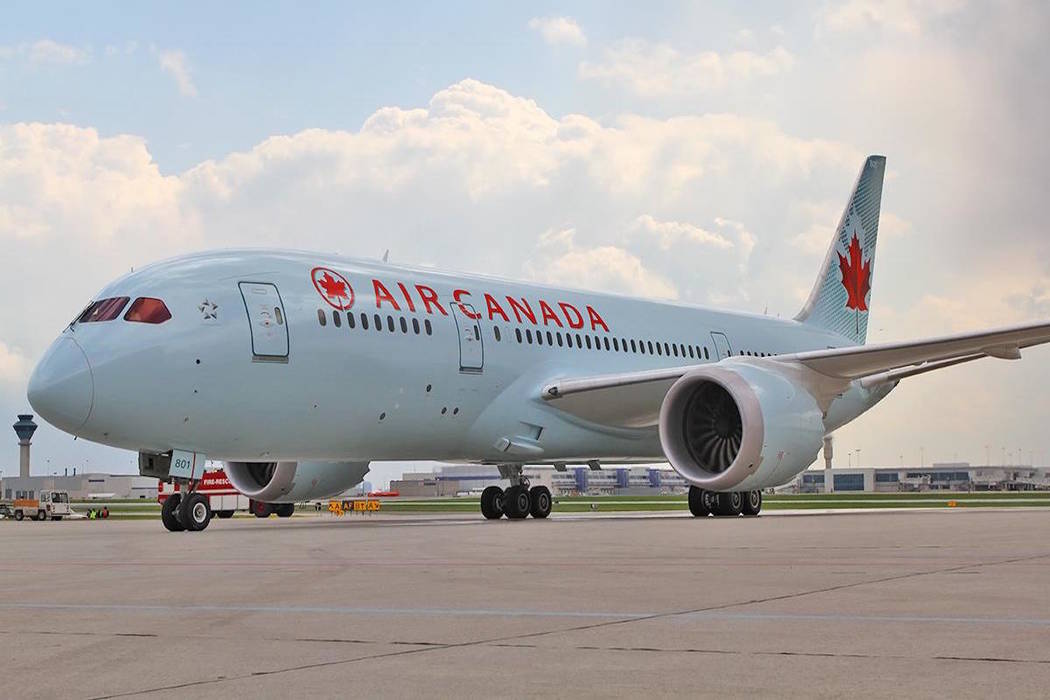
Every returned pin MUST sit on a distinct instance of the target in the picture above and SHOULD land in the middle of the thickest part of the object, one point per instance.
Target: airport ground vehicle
(298, 369)
(223, 500)
(50, 505)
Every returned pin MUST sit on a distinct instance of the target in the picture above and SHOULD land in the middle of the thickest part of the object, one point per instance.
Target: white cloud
(895, 16)
(670, 233)
(46, 51)
(14, 366)
(658, 70)
(558, 30)
(174, 63)
(559, 260)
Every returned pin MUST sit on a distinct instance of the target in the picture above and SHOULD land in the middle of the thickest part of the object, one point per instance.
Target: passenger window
(550, 338)
(659, 350)
(415, 326)
(641, 345)
(390, 323)
(337, 320)
(616, 344)
(650, 344)
(634, 348)
(378, 322)
(691, 351)
(279, 315)
(528, 336)
(605, 340)
(674, 350)
(147, 310)
(364, 321)
(517, 332)
(587, 339)
(321, 318)
(350, 320)
(706, 355)
(404, 325)
(495, 332)
(579, 341)
(103, 310)
(427, 326)
(558, 336)
(667, 349)
(539, 337)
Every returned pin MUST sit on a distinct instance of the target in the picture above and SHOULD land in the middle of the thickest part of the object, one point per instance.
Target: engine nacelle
(290, 482)
(739, 427)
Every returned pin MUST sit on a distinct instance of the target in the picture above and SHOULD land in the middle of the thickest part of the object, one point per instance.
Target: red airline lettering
(492, 307)
(383, 294)
(548, 314)
(466, 310)
(408, 297)
(595, 319)
(429, 296)
(519, 309)
(565, 309)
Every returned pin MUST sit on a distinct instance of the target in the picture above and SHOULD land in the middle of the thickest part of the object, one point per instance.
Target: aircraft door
(267, 321)
(722, 347)
(471, 346)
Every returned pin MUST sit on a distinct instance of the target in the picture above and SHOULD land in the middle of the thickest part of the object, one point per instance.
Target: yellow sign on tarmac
(358, 505)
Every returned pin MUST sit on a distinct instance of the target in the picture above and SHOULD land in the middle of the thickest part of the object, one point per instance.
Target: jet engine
(290, 482)
(739, 427)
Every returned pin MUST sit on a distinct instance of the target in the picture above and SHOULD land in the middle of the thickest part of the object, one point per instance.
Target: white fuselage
(245, 369)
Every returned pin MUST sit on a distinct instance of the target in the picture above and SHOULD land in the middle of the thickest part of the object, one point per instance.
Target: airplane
(298, 369)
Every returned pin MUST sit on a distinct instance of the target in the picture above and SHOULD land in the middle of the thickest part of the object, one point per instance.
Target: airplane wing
(632, 399)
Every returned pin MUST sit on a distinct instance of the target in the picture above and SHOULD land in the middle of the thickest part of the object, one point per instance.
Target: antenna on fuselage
(386, 255)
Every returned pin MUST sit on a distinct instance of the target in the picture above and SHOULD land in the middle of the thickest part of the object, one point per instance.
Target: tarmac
(950, 602)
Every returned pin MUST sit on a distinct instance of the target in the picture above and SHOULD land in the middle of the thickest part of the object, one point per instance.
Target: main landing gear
(186, 511)
(518, 501)
(732, 503)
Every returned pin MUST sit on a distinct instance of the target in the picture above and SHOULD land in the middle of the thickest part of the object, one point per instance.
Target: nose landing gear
(518, 501)
(703, 503)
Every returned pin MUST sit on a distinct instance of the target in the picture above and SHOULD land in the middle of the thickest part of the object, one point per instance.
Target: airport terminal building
(81, 487)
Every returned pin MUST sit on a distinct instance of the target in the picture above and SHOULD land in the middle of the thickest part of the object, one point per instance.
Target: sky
(700, 152)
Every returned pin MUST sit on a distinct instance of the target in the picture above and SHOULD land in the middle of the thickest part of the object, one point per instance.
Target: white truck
(51, 505)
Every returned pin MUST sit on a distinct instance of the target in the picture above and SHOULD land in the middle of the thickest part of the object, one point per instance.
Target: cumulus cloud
(43, 51)
(651, 69)
(174, 63)
(558, 30)
(14, 366)
(670, 233)
(896, 16)
(559, 260)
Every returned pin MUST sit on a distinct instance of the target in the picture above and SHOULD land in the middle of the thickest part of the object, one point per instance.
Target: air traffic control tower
(24, 428)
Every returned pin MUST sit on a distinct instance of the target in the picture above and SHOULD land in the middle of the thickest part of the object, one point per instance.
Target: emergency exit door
(722, 348)
(266, 319)
(471, 347)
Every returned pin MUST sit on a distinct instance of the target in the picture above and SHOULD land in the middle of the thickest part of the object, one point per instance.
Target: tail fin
(841, 296)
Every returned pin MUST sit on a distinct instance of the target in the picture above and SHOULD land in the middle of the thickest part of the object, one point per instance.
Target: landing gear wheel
(752, 502)
(516, 502)
(284, 510)
(492, 503)
(540, 501)
(224, 514)
(195, 512)
(698, 502)
(730, 503)
(261, 510)
(169, 514)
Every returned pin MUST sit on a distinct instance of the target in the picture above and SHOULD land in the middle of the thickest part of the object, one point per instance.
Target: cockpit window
(103, 310)
(147, 310)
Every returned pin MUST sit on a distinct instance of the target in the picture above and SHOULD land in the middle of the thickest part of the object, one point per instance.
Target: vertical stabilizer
(841, 297)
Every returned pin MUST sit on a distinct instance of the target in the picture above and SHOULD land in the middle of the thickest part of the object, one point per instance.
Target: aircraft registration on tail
(298, 369)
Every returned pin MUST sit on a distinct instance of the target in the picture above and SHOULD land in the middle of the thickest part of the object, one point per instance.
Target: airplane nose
(61, 389)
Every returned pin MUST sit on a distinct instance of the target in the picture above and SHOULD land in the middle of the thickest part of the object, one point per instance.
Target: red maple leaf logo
(856, 276)
(333, 288)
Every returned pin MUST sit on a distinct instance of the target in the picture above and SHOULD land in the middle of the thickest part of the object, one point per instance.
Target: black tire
(195, 512)
(540, 502)
(41, 516)
(752, 503)
(261, 510)
(57, 517)
(698, 502)
(492, 503)
(224, 514)
(284, 510)
(19, 515)
(729, 504)
(169, 513)
(516, 502)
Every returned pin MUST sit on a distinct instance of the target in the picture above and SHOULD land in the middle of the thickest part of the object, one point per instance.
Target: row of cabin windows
(582, 340)
(376, 322)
